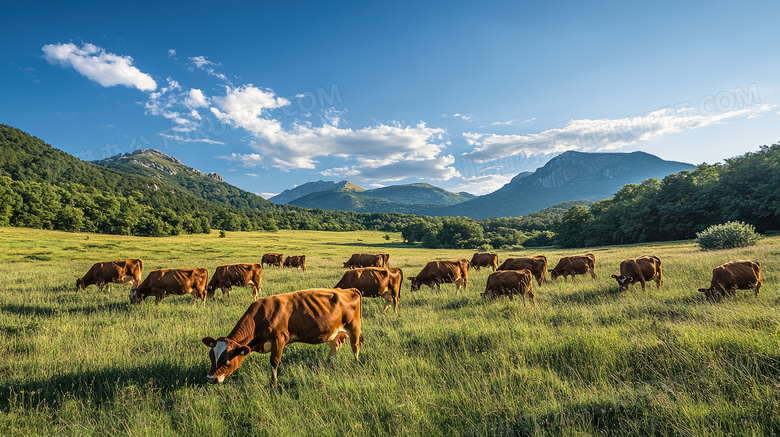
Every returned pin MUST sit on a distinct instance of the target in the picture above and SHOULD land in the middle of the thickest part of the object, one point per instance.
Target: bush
(727, 236)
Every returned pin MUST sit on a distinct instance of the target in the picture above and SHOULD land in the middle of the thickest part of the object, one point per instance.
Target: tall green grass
(586, 359)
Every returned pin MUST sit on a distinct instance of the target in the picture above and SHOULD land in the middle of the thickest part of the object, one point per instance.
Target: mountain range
(569, 176)
(156, 176)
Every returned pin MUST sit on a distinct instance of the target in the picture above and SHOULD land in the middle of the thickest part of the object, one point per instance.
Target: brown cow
(574, 265)
(733, 276)
(359, 260)
(436, 273)
(161, 283)
(386, 258)
(537, 265)
(641, 270)
(104, 273)
(484, 259)
(272, 259)
(307, 316)
(509, 283)
(376, 282)
(295, 261)
(241, 275)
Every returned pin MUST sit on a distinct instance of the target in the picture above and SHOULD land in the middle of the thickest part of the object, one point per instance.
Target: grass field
(586, 359)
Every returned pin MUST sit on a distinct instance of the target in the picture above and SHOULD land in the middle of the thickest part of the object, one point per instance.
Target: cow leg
(354, 339)
(255, 291)
(227, 291)
(593, 274)
(276, 358)
(335, 345)
(643, 284)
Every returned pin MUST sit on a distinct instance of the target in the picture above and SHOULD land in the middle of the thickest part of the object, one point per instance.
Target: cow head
(135, 296)
(553, 274)
(226, 355)
(80, 284)
(623, 281)
(712, 294)
(415, 283)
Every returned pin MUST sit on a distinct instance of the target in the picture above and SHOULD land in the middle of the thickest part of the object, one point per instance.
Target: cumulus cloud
(437, 168)
(196, 99)
(600, 134)
(299, 146)
(96, 64)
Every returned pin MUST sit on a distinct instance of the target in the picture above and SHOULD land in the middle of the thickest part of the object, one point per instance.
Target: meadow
(586, 359)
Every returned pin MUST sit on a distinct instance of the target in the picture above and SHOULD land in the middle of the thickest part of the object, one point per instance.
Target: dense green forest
(744, 188)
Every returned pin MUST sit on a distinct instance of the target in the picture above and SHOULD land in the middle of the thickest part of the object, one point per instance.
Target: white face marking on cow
(219, 349)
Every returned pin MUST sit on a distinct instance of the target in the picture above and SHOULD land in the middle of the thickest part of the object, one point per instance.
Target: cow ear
(629, 278)
(244, 351)
(614, 276)
(208, 341)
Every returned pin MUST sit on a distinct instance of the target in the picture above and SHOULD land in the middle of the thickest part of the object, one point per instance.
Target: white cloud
(208, 66)
(172, 53)
(249, 107)
(188, 139)
(252, 175)
(438, 168)
(466, 117)
(512, 122)
(601, 134)
(96, 64)
(196, 99)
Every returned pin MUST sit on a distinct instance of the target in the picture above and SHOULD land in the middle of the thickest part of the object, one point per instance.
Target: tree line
(745, 188)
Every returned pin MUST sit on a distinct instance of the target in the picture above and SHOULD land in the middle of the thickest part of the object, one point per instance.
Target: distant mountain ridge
(345, 196)
(289, 195)
(567, 177)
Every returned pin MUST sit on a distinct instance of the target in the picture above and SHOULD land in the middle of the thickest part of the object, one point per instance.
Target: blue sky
(460, 95)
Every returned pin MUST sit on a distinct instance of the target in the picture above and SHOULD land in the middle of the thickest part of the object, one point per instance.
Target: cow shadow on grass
(100, 386)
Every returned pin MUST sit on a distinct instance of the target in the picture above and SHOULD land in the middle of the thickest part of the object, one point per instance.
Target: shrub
(222, 234)
(727, 236)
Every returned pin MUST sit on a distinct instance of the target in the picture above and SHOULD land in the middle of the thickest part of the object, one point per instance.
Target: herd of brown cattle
(331, 315)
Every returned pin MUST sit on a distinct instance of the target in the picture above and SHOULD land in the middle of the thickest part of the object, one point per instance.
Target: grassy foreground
(586, 360)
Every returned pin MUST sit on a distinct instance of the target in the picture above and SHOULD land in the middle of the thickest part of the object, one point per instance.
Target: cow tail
(401, 284)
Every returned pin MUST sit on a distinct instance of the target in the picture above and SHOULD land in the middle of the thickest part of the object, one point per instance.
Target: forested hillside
(154, 164)
(745, 188)
(45, 188)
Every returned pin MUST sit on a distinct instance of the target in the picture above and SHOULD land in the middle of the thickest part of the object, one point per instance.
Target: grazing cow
(104, 273)
(436, 273)
(509, 283)
(537, 265)
(295, 261)
(641, 270)
(386, 258)
(381, 282)
(733, 276)
(307, 316)
(161, 283)
(484, 259)
(241, 275)
(359, 260)
(574, 265)
(272, 259)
